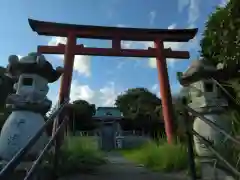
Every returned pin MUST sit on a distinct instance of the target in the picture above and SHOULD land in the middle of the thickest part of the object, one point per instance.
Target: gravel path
(119, 168)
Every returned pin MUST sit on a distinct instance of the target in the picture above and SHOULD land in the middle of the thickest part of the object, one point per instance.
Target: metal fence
(133, 133)
(123, 133)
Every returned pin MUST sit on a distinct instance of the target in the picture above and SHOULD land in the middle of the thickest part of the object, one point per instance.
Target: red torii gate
(158, 36)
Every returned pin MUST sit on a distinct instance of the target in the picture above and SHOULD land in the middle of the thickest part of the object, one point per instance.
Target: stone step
(209, 172)
(22, 169)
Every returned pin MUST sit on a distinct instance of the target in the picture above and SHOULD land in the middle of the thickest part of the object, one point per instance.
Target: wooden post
(73, 124)
(189, 135)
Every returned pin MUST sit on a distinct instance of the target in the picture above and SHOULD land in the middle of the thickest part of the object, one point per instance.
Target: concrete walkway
(119, 168)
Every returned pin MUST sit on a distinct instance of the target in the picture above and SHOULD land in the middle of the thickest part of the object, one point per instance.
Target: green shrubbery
(162, 157)
(230, 150)
(79, 154)
(2, 120)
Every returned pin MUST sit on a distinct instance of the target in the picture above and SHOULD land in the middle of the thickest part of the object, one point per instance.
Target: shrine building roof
(108, 113)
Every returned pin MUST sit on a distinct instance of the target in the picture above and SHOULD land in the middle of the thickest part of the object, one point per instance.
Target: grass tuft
(79, 154)
(160, 156)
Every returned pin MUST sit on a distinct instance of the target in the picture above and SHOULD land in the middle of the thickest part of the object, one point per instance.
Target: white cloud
(19, 56)
(82, 63)
(105, 96)
(152, 16)
(172, 26)
(120, 64)
(193, 44)
(108, 94)
(193, 10)
(110, 14)
(79, 91)
(223, 3)
(121, 25)
(182, 4)
(154, 88)
(152, 62)
(57, 40)
(127, 44)
(53, 96)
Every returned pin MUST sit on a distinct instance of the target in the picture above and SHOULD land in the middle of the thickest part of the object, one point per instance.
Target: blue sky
(100, 79)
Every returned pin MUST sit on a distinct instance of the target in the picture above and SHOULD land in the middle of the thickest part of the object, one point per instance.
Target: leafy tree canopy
(2, 70)
(6, 87)
(83, 112)
(221, 41)
(221, 38)
(82, 107)
(139, 102)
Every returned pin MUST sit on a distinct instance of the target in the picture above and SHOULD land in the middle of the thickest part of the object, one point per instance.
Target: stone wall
(132, 141)
(96, 140)
(129, 141)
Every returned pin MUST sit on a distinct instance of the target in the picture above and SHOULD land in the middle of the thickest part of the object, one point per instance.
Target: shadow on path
(118, 168)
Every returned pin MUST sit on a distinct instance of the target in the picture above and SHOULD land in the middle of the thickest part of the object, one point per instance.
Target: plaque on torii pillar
(116, 35)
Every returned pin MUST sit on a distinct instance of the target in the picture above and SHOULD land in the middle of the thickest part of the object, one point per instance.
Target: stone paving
(119, 168)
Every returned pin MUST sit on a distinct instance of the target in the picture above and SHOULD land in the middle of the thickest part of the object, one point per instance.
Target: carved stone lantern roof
(33, 64)
(203, 69)
(199, 69)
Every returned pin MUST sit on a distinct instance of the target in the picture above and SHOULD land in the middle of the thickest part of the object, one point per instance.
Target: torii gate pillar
(72, 32)
(66, 79)
(165, 90)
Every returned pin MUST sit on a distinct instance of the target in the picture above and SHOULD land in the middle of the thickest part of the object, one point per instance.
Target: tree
(83, 107)
(136, 101)
(83, 112)
(2, 70)
(6, 87)
(221, 42)
(178, 107)
(221, 38)
(141, 107)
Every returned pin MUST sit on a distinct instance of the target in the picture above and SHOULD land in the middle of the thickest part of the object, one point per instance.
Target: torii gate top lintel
(104, 32)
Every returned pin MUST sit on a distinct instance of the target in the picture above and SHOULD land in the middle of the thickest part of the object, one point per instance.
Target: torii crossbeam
(158, 36)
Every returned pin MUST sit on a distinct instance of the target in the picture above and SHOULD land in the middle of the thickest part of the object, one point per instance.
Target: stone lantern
(28, 105)
(205, 97)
